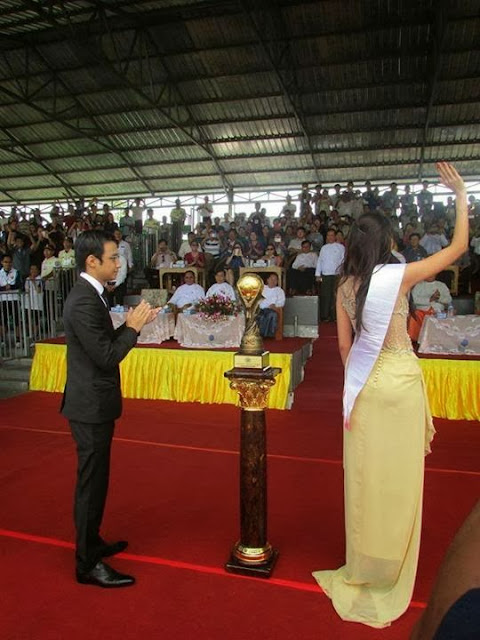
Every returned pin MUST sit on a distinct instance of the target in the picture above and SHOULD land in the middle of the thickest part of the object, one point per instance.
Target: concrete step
(11, 388)
(18, 375)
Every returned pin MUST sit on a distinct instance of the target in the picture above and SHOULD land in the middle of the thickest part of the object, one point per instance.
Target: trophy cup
(252, 377)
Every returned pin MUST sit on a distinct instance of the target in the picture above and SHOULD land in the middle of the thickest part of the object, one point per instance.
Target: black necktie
(105, 298)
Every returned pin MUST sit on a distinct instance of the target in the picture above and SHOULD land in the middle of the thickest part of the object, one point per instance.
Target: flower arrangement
(217, 307)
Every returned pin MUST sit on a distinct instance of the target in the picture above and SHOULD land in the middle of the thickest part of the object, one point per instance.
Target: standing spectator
(49, 263)
(137, 210)
(109, 224)
(424, 200)
(288, 209)
(21, 258)
(124, 248)
(177, 216)
(329, 262)
(407, 203)
(126, 224)
(205, 210)
(390, 199)
(9, 313)
(151, 226)
(34, 300)
(117, 289)
(67, 255)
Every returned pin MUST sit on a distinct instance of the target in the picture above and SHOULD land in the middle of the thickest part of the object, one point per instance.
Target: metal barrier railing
(34, 314)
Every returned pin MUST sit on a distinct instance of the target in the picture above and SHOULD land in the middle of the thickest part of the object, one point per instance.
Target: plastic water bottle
(450, 311)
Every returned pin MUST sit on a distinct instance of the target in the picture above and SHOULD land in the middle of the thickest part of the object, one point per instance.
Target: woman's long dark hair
(369, 244)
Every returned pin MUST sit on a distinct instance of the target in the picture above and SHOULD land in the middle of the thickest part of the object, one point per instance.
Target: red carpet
(174, 497)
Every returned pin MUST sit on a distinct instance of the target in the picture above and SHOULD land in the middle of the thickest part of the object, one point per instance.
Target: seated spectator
(221, 286)
(211, 244)
(431, 294)
(328, 265)
(255, 247)
(185, 246)
(187, 294)
(273, 298)
(414, 250)
(67, 255)
(316, 236)
(271, 257)
(195, 257)
(280, 247)
(433, 241)
(49, 263)
(295, 244)
(233, 263)
(302, 272)
(163, 258)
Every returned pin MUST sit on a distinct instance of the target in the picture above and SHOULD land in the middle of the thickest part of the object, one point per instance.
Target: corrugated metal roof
(197, 95)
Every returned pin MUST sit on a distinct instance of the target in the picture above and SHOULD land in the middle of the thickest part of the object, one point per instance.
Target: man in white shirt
(302, 272)
(188, 294)
(273, 298)
(117, 289)
(431, 294)
(137, 209)
(124, 248)
(433, 241)
(126, 224)
(328, 266)
(221, 286)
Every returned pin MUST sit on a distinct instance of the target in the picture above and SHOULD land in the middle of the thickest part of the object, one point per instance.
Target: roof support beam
(272, 25)
(438, 38)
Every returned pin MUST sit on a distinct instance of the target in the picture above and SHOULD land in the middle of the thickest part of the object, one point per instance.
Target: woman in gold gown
(389, 428)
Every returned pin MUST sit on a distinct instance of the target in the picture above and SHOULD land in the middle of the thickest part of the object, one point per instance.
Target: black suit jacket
(94, 350)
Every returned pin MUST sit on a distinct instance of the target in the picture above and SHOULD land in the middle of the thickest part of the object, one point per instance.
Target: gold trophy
(252, 378)
(251, 354)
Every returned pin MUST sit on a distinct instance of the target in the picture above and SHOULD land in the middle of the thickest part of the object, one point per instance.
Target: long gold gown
(391, 430)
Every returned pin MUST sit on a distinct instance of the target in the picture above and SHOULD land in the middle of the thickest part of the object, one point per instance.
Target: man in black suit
(92, 398)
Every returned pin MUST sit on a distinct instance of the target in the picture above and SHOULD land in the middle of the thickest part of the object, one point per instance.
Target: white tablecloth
(156, 332)
(457, 335)
(200, 333)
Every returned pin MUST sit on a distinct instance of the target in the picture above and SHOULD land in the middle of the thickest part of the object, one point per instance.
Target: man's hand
(435, 296)
(318, 278)
(137, 318)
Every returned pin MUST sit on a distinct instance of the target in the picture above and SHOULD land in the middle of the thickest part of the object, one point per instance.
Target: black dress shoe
(102, 575)
(114, 548)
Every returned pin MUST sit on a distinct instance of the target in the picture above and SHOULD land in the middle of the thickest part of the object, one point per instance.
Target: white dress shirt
(423, 291)
(330, 259)
(125, 250)
(99, 288)
(433, 243)
(272, 295)
(223, 289)
(187, 294)
(307, 260)
(123, 271)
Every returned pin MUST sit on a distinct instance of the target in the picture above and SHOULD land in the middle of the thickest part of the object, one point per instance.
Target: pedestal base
(261, 570)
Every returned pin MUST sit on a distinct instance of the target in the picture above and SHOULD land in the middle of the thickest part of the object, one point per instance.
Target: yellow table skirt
(453, 388)
(164, 374)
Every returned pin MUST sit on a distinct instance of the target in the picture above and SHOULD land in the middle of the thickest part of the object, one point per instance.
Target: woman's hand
(450, 177)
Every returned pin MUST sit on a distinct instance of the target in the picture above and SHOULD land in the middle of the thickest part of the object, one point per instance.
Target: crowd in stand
(307, 238)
